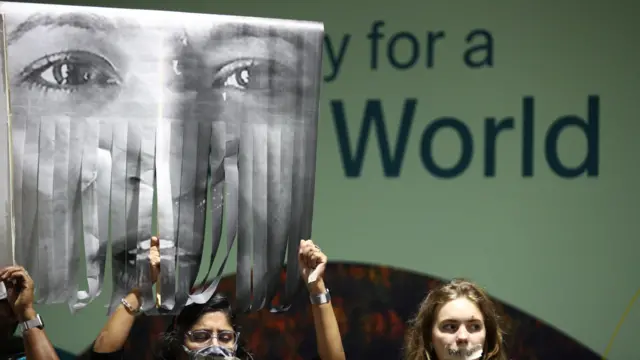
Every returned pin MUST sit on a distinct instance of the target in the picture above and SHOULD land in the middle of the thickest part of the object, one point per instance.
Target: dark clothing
(13, 349)
(16, 356)
(116, 355)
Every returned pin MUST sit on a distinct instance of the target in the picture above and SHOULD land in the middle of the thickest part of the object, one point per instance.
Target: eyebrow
(231, 31)
(85, 21)
(470, 320)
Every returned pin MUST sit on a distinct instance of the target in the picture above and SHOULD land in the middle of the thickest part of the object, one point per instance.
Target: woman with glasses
(202, 332)
(208, 331)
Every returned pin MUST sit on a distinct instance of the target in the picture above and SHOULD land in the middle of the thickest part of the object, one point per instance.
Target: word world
(392, 155)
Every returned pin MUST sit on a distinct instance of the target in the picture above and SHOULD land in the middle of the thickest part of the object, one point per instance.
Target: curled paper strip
(7, 231)
(3, 291)
(214, 117)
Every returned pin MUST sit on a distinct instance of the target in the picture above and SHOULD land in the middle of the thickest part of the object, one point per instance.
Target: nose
(462, 336)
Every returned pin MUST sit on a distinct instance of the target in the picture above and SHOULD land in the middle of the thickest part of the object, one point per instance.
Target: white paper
(7, 256)
(3, 291)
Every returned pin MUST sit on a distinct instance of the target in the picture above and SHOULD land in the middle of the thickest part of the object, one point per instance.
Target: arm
(115, 332)
(36, 343)
(326, 325)
(312, 265)
(20, 296)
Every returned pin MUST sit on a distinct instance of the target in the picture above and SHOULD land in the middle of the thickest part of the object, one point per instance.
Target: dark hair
(170, 346)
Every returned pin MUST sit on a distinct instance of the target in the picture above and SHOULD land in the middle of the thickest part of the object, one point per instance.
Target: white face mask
(214, 352)
(463, 353)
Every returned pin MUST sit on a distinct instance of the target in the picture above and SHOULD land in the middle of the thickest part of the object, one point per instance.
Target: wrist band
(129, 308)
(321, 298)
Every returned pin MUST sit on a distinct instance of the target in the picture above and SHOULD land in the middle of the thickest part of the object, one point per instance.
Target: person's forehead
(137, 29)
(22, 18)
(22, 22)
(213, 321)
(461, 309)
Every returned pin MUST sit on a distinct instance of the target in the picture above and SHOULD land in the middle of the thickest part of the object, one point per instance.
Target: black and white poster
(110, 109)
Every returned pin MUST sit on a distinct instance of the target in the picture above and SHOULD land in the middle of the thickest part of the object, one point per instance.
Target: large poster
(111, 108)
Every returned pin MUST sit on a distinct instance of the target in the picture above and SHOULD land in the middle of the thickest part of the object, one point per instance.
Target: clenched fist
(19, 291)
(312, 262)
(154, 259)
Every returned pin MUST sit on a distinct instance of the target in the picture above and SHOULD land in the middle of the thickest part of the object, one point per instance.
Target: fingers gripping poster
(111, 108)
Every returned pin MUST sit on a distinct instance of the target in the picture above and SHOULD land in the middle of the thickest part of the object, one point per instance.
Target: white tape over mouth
(474, 353)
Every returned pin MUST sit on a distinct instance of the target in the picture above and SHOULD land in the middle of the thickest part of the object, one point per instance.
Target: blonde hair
(418, 345)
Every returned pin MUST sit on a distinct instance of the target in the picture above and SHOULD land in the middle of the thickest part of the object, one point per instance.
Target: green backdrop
(562, 248)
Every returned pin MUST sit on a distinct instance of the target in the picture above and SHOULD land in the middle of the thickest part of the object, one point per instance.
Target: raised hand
(312, 262)
(19, 291)
(154, 259)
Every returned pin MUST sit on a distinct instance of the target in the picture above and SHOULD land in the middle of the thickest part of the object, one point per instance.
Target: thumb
(154, 242)
(314, 274)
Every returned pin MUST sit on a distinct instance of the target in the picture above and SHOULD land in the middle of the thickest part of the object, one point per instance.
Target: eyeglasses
(224, 337)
